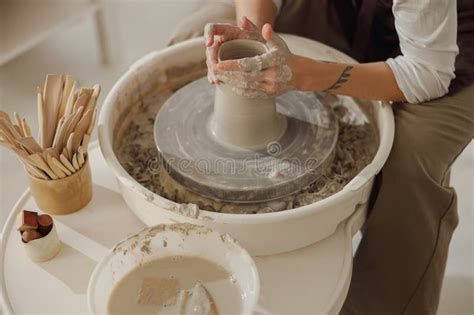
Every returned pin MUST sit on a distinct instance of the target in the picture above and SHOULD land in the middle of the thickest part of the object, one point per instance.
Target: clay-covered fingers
(257, 63)
(238, 79)
(272, 81)
(270, 89)
(226, 32)
(273, 41)
(273, 74)
(217, 33)
(265, 75)
(211, 55)
(223, 32)
(252, 93)
(211, 30)
(211, 61)
(260, 89)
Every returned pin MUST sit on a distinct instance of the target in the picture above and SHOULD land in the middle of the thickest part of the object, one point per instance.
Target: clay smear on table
(356, 147)
(176, 285)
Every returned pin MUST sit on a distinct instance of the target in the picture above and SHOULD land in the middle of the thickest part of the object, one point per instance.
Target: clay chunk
(45, 224)
(199, 302)
(158, 291)
(29, 221)
(30, 235)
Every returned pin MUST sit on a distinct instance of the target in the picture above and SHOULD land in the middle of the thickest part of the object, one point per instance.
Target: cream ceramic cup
(44, 248)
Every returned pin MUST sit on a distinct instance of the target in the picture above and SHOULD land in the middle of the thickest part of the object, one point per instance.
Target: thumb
(273, 41)
(267, 32)
(243, 22)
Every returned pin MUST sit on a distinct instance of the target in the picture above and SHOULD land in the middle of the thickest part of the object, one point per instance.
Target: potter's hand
(217, 33)
(266, 75)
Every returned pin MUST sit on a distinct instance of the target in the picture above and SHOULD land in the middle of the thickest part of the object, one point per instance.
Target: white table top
(310, 280)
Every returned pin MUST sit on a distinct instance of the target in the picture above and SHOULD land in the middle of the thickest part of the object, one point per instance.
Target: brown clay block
(29, 221)
(45, 224)
(30, 235)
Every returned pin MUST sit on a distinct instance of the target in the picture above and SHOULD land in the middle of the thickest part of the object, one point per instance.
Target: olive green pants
(399, 266)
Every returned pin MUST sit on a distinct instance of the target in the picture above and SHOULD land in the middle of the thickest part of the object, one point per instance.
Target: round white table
(312, 280)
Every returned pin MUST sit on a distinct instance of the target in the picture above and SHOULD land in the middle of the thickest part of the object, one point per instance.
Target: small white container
(174, 240)
(44, 248)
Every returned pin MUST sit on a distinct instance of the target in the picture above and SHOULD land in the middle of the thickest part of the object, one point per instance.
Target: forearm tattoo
(343, 78)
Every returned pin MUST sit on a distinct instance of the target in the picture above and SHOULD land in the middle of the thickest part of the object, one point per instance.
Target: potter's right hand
(217, 33)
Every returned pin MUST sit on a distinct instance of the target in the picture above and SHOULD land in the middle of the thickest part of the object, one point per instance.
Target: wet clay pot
(247, 122)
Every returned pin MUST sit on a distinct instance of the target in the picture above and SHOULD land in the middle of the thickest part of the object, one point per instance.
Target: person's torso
(365, 29)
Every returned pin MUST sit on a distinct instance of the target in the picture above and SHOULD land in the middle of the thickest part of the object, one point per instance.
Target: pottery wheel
(195, 158)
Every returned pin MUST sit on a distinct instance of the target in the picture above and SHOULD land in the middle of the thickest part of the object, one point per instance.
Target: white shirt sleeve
(427, 30)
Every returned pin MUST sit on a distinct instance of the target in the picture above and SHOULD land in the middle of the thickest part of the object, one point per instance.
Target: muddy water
(157, 287)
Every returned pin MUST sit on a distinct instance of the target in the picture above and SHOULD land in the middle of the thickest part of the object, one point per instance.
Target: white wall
(133, 28)
(136, 27)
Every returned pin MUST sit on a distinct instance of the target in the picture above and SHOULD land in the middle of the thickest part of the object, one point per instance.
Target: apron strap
(365, 19)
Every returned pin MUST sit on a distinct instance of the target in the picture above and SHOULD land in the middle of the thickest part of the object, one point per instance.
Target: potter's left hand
(226, 32)
(266, 75)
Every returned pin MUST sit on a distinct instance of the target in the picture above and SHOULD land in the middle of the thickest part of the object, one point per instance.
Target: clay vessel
(241, 121)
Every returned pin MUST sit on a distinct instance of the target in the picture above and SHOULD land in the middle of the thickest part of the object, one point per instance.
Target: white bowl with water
(164, 241)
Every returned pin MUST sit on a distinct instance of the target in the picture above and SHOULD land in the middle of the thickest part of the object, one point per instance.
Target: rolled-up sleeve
(427, 32)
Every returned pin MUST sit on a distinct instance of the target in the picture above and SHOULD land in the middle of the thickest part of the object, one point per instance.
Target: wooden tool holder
(56, 161)
(65, 195)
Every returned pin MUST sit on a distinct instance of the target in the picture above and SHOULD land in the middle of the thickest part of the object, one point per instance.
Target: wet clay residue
(176, 285)
(356, 147)
(144, 237)
(158, 291)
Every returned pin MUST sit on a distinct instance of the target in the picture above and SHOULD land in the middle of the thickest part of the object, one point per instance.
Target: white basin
(260, 234)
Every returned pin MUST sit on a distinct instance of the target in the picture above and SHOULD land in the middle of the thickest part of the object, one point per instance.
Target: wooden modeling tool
(66, 118)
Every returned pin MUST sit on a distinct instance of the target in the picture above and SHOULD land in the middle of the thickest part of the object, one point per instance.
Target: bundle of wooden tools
(66, 118)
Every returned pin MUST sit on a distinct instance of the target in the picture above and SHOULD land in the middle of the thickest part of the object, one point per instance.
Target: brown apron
(364, 29)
